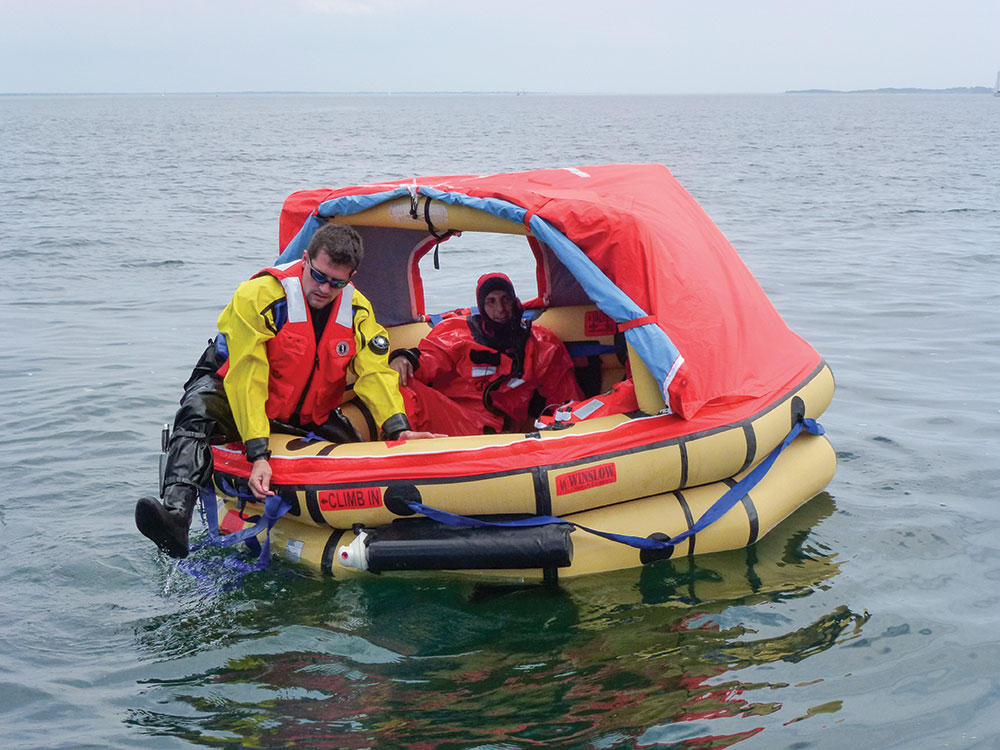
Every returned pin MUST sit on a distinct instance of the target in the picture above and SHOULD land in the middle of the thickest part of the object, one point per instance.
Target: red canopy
(660, 253)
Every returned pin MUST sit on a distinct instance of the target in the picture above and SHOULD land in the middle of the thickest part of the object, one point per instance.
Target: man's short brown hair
(341, 244)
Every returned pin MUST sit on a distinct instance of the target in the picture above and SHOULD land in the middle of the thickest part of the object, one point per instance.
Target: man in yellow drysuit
(286, 343)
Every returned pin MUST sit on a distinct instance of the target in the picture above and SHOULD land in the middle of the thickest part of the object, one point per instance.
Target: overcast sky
(578, 46)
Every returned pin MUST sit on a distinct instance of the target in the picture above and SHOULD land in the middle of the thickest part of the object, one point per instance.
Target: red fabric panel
(518, 456)
(635, 322)
(652, 239)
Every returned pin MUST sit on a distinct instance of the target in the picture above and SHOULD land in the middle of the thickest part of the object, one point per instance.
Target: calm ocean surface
(869, 619)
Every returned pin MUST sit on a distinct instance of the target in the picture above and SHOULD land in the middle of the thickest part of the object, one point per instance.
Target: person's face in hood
(498, 306)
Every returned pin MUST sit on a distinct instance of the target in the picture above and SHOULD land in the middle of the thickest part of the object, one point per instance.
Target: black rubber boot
(167, 523)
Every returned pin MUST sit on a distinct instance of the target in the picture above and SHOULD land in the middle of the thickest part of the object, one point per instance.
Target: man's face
(498, 306)
(318, 293)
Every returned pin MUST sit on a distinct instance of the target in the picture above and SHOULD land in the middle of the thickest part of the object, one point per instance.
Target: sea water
(868, 619)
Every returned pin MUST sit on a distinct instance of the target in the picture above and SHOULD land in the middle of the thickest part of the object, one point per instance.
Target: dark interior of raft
(394, 285)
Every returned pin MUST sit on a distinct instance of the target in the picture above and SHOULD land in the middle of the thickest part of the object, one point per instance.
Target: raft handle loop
(718, 509)
(434, 233)
(242, 497)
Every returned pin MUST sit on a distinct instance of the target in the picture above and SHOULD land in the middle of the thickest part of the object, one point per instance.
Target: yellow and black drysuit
(276, 359)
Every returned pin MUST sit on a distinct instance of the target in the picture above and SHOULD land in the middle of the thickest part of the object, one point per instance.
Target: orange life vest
(305, 378)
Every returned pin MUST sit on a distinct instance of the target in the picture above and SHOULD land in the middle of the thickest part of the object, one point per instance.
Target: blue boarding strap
(587, 349)
(719, 508)
(435, 318)
(275, 507)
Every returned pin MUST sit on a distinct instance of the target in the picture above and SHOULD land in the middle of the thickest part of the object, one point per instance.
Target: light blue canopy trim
(344, 206)
(653, 345)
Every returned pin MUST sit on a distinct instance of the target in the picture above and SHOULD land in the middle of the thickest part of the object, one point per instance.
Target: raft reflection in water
(650, 655)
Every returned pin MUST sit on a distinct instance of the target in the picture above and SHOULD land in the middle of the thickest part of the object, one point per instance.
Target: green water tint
(440, 662)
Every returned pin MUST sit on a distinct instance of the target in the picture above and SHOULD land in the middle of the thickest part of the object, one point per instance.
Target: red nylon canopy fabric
(657, 245)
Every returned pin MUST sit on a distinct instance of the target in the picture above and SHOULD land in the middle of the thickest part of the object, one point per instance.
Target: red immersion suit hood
(492, 282)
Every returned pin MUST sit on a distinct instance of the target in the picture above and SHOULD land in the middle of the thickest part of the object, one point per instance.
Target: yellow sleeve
(377, 384)
(248, 323)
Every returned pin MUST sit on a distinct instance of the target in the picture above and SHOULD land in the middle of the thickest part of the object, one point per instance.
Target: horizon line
(373, 92)
(485, 92)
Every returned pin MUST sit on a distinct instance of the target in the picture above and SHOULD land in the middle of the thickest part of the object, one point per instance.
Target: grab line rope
(275, 507)
(718, 509)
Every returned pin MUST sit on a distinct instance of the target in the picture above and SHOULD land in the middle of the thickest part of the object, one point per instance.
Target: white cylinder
(355, 554)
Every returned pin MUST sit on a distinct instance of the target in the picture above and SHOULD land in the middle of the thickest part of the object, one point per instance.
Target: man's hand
(260, 479)
(404, 367)
(413, 435)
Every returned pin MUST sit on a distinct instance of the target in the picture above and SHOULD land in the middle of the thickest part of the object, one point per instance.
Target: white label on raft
(514, 382)
(399, 212)
(482, 372)
(587, 409)
(293, 550)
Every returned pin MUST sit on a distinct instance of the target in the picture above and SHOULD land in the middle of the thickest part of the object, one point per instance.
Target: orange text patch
(362, 497)
(584, 479)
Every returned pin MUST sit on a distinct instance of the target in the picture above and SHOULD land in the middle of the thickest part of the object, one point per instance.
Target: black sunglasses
(321, 279)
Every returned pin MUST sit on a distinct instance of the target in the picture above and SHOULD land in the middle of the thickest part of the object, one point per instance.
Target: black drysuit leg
(203, 418)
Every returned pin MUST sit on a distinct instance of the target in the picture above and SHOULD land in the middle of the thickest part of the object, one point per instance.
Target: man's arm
(377, 384)
(435, 355)
(247, 322)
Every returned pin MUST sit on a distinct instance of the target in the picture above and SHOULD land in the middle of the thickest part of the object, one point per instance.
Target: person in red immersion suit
(486, 373)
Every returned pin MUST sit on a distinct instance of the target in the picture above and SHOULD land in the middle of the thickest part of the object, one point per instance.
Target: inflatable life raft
(714, 442)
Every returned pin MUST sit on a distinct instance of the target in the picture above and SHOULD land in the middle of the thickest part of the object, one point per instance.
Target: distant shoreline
(955, 90)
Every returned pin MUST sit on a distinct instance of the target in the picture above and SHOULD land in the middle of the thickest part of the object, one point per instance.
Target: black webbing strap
(439, 237)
